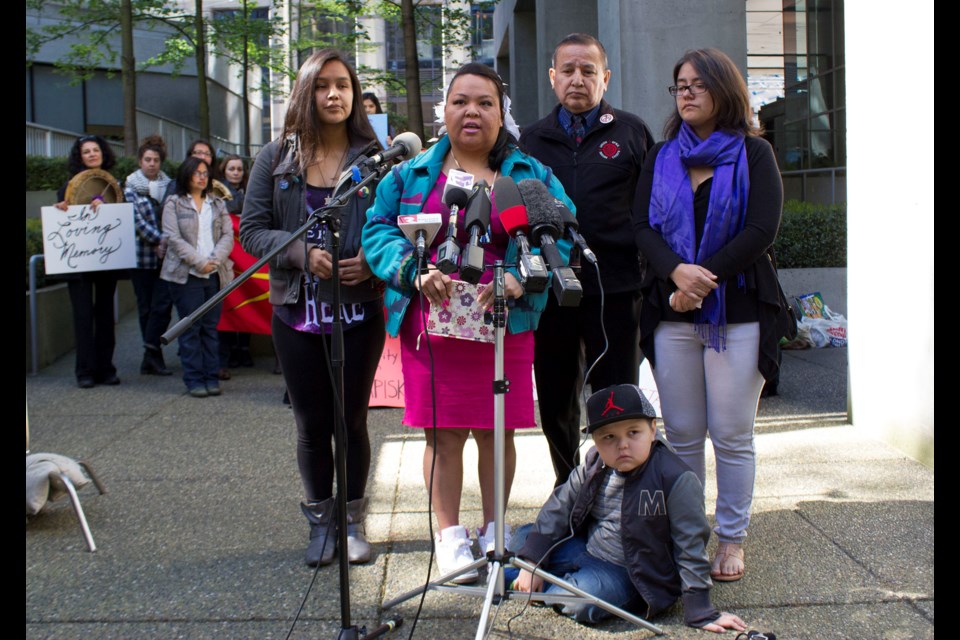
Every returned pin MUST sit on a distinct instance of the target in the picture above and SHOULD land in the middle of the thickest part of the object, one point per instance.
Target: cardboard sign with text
(81, 239)
(387, 388)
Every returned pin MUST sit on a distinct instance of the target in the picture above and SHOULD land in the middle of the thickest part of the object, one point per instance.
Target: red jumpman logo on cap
(610, 406)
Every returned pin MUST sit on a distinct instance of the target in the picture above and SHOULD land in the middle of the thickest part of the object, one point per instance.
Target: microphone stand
(324, 215)
(495, 591)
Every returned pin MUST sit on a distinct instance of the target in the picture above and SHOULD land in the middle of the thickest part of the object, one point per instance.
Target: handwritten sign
(387, 388)
(81, 239)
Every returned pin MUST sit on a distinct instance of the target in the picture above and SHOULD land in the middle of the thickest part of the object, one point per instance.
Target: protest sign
(81, 239)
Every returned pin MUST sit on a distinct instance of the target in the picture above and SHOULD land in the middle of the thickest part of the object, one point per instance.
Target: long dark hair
(505, 140)
(75, 160)
(302, 118)
(213, 155)
(372, 97)
(223, 170)
(187, 168)
(727, 88)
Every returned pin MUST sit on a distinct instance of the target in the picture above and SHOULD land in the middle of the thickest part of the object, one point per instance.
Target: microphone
(456, 193)
(571, 228)
(476, 219)
(513, 216)
(405, 145)
(420, 229)
(545, 223)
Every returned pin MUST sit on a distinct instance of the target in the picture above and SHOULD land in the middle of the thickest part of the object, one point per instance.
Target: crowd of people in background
(682, 231)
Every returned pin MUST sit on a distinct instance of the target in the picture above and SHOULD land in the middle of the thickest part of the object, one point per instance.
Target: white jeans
(705, 392)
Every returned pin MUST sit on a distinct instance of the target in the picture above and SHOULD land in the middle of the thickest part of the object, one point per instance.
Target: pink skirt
(463, 378)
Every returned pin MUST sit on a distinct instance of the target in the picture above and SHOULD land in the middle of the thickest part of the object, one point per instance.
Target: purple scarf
(671, 210)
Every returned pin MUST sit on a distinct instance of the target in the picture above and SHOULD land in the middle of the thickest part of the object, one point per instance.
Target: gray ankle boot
(323, 531)
(358, 549)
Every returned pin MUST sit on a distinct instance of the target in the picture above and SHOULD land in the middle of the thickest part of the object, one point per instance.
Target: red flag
(247, 308)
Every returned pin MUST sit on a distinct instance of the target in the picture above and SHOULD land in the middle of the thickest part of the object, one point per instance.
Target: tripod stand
(495, 592)
(327, 216)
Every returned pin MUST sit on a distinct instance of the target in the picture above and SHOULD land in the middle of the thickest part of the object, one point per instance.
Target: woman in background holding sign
(325, 131)
(91, 293)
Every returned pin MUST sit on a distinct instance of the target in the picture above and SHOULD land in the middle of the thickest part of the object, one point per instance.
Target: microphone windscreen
(540, 203)
(411, 141)
(455, 196)
(513, 213)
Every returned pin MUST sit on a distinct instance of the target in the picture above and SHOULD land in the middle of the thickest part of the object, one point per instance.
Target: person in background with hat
(628, 526)
(597, 153)
(91, 292)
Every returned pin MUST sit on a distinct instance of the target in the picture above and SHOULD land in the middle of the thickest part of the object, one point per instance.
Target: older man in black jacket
(597, 152)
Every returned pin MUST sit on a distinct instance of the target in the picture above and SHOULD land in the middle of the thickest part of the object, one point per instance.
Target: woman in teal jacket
(479, 142)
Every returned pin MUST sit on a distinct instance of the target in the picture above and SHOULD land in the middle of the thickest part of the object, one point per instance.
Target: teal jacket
(404, 192)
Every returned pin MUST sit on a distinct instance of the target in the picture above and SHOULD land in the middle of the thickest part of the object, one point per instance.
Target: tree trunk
(128, 73)
(246, 72)
(201, 59)
(412, 76)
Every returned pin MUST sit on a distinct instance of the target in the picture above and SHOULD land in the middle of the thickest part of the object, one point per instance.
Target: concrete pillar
(525, 83)
(608, 32)
(374, 57)
(554, 20)
(645, 39)
(891, 225)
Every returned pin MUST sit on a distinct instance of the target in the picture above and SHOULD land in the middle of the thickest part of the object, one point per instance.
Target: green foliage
(812, 235)
(46, 173)
(176, 52)
(124, 167)
(336, 23)
(91, 27)
(51, 173)
(243, 39)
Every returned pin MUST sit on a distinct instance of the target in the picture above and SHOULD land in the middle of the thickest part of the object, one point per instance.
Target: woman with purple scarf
(706, 213)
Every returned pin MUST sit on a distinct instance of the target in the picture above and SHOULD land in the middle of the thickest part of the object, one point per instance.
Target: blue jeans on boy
(571, 562)
(198, 344)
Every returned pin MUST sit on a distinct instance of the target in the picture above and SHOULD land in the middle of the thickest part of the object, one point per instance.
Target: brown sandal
(727, 551)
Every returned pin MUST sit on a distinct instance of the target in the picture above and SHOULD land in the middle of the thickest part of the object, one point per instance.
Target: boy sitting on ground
(629, 521)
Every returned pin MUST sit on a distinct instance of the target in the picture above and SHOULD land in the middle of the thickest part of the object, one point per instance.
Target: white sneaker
(488, 542)
(452, 551)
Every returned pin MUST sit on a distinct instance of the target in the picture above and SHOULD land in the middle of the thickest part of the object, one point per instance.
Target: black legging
(305, 374)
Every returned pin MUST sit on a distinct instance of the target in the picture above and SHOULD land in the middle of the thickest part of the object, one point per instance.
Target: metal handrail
(34, 339)
(42, 140)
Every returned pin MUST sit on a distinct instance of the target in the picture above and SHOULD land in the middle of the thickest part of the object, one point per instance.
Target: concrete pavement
(200, 534)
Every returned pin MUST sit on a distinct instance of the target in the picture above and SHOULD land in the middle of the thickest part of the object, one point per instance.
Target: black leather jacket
(600, 176)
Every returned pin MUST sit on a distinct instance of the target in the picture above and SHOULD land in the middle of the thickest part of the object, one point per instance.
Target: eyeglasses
(197, 153)
(695, 89)
(201, 174)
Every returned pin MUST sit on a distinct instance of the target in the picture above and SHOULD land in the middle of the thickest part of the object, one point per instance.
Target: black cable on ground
(433, 461)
